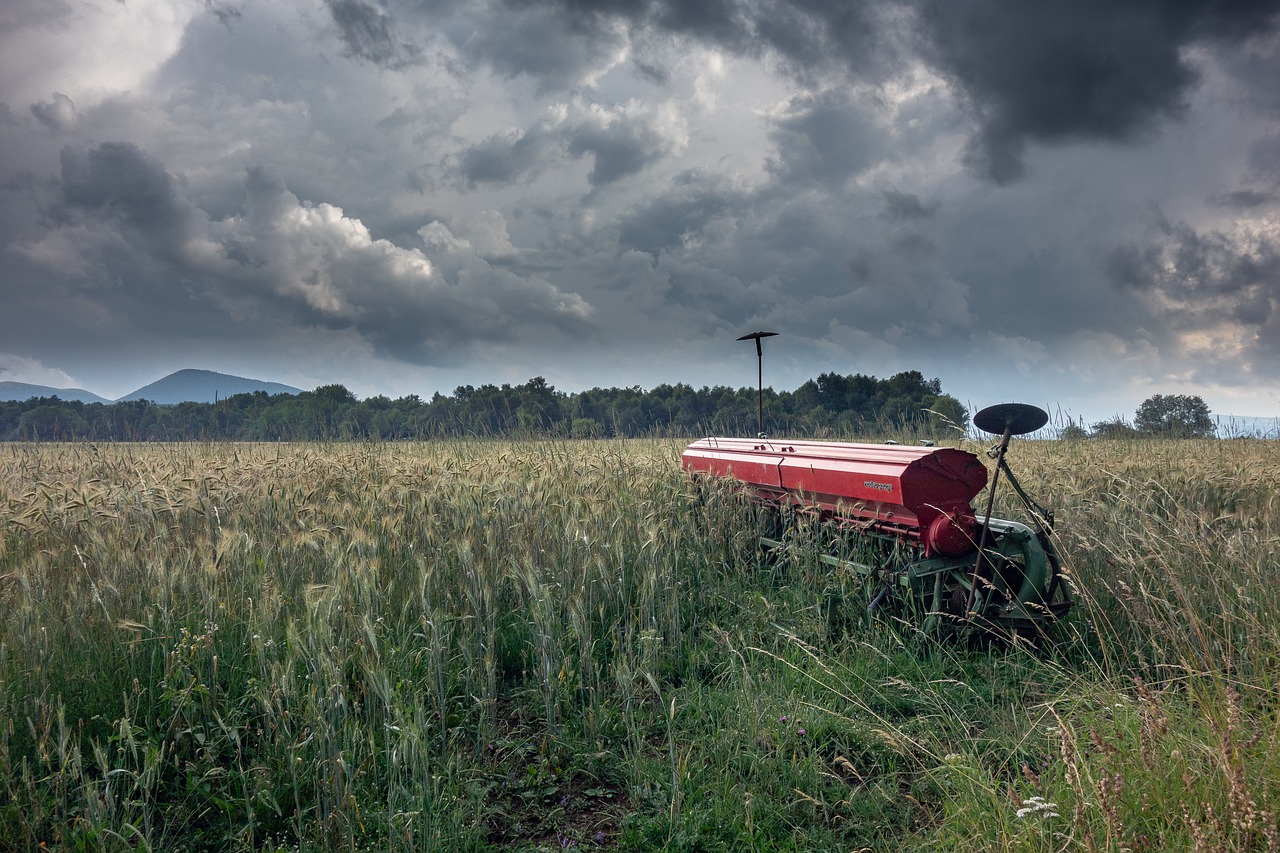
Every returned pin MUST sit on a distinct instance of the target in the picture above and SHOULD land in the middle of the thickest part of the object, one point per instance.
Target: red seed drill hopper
(905, 522)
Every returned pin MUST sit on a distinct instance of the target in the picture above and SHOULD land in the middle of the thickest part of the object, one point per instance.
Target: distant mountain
(203, 386)
(22, 391)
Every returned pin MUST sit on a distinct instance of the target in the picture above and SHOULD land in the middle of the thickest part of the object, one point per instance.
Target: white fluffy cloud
(18, 368)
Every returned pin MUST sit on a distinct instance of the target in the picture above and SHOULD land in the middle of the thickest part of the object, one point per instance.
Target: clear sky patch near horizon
(1073, 204)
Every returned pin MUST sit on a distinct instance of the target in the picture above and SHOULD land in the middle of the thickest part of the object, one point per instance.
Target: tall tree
(1175, 416)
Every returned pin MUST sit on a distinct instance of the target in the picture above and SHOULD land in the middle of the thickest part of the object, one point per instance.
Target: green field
(558, 645)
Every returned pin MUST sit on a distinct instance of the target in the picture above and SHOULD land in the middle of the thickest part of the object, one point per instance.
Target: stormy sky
(1074, 204)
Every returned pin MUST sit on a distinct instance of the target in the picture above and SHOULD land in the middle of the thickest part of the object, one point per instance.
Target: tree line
(1159, 416)
(830, 405)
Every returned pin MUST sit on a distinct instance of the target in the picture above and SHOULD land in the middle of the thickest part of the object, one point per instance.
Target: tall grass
(1162, 730)
(255, 643)
(469, 645)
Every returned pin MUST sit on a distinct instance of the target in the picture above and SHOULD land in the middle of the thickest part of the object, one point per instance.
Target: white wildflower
(1036, 805)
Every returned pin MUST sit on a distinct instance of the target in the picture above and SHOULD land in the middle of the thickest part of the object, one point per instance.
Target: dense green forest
(829, 405)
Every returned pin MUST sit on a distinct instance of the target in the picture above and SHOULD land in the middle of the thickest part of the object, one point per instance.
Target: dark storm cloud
(559, 169)
(824, 139)
(370, 34)
(655, 74)
(821, 265)
(1244, 200)
(115, 189)
(1080, 70)
(620, 143)
(1029, 73)
(117, 180)
(278, 262)
(1264, 158)
(1203, 277)
(1133, 267)
(1256, 71)
(1262, 179)
(900, 206)
(505, 158)
(679, 213)
(58, 115)
(225, 14)
(1216, 291)
(540, 44)
(806, 34)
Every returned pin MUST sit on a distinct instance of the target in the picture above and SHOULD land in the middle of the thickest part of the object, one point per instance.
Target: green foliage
(859, 403)
(586, 428)
(1175, 416)
(1073, 432)
(834, 405)
(1117, 427)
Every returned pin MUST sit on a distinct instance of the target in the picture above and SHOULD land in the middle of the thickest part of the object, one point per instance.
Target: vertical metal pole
(756, 336)
(760, 385)
(986, 520)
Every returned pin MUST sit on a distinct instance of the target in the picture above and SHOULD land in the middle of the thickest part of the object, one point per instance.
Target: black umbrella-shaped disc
(1018, 418)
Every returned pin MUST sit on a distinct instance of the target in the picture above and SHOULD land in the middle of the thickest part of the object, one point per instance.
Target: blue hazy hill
(203, 386)
(23, 391)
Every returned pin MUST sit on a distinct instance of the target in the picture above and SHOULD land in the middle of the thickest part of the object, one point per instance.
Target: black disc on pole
(1017, 418)
(756, 336)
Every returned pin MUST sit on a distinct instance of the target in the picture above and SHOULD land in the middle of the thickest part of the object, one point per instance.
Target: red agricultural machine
(902, 518)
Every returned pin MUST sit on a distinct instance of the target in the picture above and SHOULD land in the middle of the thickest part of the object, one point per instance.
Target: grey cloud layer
(369, 34)
(1028, 72)
(561, 183)
(805, 33)
(1202, 277)
(1095, 69)
(120, 215)
(621, 143)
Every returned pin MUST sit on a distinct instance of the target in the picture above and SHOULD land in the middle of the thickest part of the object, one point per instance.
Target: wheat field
(552, 645)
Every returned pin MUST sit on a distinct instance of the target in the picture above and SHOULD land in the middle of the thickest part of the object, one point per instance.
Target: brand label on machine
(881, 487)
